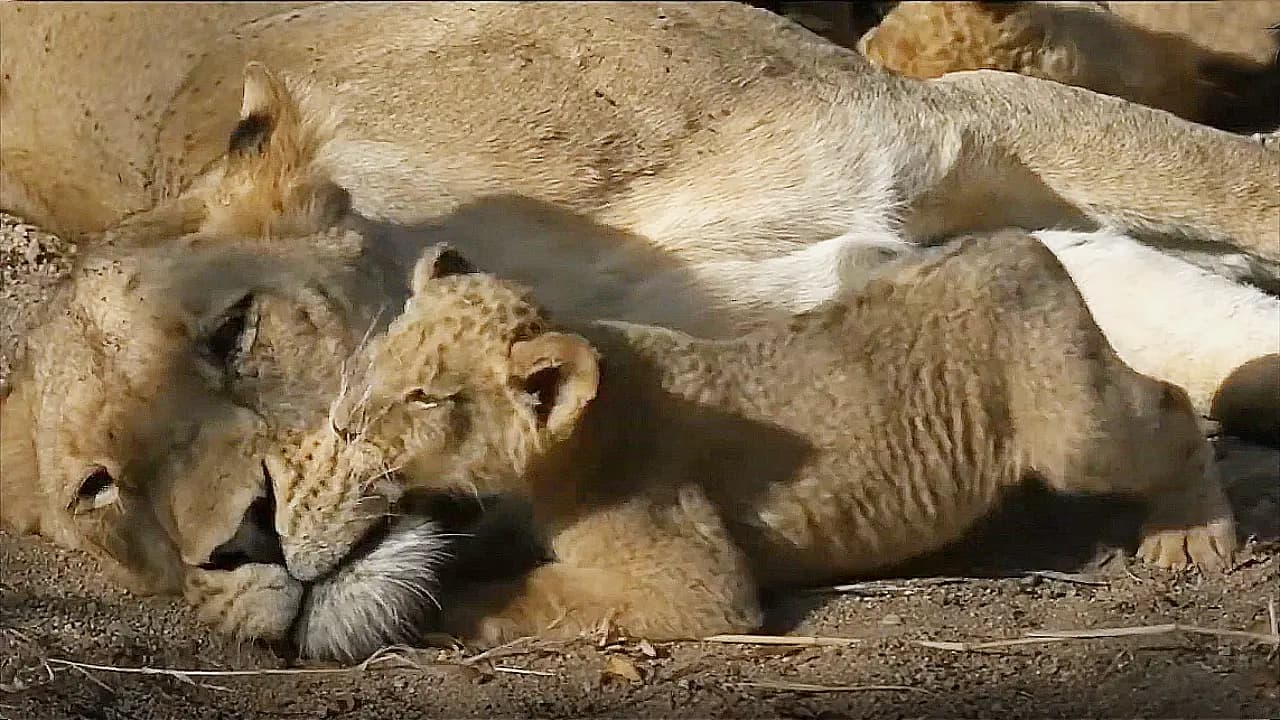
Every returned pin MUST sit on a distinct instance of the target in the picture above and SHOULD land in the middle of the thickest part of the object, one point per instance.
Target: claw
(1210, 547)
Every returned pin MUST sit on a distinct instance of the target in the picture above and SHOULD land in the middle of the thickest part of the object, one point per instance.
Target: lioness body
(676, 476)
(713, 140)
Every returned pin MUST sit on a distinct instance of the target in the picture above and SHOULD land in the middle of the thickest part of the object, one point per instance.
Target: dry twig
(1155, 630)
(388, 654)
(986, 645)
(186, 676)
(522, 671)
(1046, 636)
(500, 651)
(800, 640)
(1073, 578)
(780, 686)
(909, 585)
(885, 587)
(89, 676)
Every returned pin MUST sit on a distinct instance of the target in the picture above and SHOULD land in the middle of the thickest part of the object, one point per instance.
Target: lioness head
(181, 370)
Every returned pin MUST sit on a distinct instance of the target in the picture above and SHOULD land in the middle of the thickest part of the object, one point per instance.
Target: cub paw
(251, 601)
(1192, 524)
(495, 631)
(1210, 547)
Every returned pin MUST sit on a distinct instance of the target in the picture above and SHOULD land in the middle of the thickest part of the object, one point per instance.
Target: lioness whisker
(347, 371)
(368, 333)
(415, 589)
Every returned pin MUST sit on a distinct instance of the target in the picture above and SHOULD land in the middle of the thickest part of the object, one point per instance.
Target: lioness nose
(255, 540)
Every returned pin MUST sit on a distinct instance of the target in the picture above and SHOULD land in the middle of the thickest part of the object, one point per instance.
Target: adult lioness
(662, 124)
(674, 475)
(151, 399)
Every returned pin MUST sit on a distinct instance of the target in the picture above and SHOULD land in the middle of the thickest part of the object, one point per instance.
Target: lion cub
(674, 477)
(1115, 51)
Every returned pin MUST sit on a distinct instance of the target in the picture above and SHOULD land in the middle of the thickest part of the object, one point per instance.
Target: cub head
(463, 391)
(185, 360)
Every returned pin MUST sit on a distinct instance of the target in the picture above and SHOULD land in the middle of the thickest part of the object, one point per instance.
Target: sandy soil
(56, 609)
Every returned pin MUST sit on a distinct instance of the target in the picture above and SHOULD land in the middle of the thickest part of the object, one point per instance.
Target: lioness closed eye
(675, 476)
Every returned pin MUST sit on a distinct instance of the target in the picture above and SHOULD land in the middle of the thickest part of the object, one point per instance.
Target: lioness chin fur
(674, 477)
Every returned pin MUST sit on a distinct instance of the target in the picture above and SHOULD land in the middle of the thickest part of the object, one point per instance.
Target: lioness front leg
(656, 572)
(1121, 164)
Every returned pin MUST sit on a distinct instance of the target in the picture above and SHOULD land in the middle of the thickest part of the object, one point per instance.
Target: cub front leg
(657, 572)
(560, 602)
(1153, 448)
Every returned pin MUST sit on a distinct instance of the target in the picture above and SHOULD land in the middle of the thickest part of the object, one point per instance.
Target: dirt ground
(58, 618)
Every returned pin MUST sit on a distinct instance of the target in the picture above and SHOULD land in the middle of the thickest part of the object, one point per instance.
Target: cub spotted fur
(1144, 52)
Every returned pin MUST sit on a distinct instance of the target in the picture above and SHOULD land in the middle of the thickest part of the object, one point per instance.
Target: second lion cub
(674, 477)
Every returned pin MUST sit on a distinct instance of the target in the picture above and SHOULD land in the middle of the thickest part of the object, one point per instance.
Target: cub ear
(439, 261)
(273, 182)
(562, 373)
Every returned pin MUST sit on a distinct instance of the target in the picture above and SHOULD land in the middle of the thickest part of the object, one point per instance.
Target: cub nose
(255, 540)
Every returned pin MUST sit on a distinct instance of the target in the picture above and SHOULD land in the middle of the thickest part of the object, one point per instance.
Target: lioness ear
(97, 490)
(562, 372)
(266, 101)
(437, 262)
(273, 182)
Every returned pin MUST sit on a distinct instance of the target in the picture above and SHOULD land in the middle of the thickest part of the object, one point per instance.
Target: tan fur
(706, 167)
(703, 469)
(1143, 52)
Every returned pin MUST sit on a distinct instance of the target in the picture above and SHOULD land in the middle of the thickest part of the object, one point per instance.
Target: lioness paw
(1209, 547)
